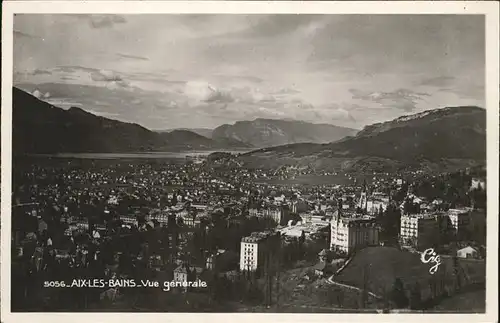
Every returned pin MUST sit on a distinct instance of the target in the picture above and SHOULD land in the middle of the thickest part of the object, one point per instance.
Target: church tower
(363, 200)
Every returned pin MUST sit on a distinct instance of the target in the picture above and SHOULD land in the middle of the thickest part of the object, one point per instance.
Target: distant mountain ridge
(446, 136)
(276, 132)
(452, 134)
(205, 132)
(419, 118)
(39, 127)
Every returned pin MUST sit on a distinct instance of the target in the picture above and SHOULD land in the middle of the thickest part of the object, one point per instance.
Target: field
(383, 265)
(470, 302)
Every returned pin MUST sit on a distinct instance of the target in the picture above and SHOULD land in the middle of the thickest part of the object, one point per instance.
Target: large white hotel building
(255, 248)
(421, 228)
(348, 234)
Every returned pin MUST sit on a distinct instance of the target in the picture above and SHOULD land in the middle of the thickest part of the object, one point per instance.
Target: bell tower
(363, 200)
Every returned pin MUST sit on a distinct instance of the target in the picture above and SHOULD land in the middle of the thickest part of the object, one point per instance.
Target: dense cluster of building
(53, 207)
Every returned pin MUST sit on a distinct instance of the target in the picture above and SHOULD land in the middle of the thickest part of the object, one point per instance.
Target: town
(258, 245)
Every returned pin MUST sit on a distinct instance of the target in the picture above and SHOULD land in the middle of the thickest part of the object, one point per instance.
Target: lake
(139, 155)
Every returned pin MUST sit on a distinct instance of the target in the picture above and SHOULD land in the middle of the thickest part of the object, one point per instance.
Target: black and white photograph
(249, 163)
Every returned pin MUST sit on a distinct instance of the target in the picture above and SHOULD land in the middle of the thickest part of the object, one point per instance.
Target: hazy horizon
(173, 71)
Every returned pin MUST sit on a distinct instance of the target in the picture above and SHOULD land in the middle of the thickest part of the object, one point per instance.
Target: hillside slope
(448, 135)
(269, 132)
(39, 127)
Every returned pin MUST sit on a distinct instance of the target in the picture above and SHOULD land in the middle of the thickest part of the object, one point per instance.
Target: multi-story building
(477, 183)
(363, 201)
(181, 274)
(82, 225)
(199, 207)
(377, 202)
(161, 217)
(129, 219)
(273, 212)
(189, 220)
(255, 248)
(419, 229)
(351, 233)
(254, 212)
(314, 217)
(460, 220)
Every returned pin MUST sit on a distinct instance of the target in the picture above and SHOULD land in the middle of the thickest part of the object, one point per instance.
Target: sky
(169, 71)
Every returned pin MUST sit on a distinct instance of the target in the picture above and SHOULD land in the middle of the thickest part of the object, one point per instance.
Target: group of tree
(453, 188)
(222, 233)
(390, 223)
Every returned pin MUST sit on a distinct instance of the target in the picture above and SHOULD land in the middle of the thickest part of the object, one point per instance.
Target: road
(332, 282)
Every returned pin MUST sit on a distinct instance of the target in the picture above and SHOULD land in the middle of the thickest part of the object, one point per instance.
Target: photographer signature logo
(430, 256)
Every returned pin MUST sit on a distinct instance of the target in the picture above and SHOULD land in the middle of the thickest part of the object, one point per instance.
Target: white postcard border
(489, 9)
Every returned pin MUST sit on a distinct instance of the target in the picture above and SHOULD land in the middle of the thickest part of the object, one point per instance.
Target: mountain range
(205, 132)
(262, 133)
(39, 127)
(447, 136)
(270, 132)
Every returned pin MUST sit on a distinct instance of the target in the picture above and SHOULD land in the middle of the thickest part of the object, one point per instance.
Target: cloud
(335, 114)
(440, 81)
(316, 58)
(205, 92)
(21, 34)
(108, 77)
(286, 91)
(216, 95)
(106, 21)
(29, 73)
(100, 21)
(250, 78)
(252, 96)
(278, 25)
(102, 113)
(40, 95)
(37, 94)
(41, 72)
(465, 91)
(75, 68)
(64, 103)
(331, 113)
(133, 57)
(402, 99)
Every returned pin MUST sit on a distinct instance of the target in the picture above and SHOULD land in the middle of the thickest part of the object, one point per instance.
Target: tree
(415, 297)
(446, 232)
(364, 289)
(386, 303)
(302, 238)
(433, 287)
(398, 294)
(456, 272)
(390, 224)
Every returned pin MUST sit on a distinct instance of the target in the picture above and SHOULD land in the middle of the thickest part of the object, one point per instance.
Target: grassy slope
(385, 264)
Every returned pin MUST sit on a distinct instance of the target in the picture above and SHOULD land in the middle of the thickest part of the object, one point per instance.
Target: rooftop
(257, 236)
(459, 210)
(421, 216)
(358, 218)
